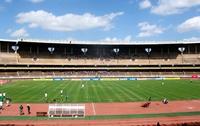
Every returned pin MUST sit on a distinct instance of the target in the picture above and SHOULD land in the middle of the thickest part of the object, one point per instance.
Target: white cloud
(145, 4)
(128, 38)
(67, 22)
(108, 39)
(36, 1)
(115, 39)
(9, 30)
(147, 29)
(8, 1)
(168, 7)
(190, 25)
(192, 39)
(19, 33)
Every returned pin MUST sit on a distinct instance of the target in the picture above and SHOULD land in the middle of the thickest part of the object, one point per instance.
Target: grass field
(101, 91)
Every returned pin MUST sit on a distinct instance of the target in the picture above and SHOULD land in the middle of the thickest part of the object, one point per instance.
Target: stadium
(100, 83)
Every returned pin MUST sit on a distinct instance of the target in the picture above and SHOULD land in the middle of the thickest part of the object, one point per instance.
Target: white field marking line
(189, 107)
(93, 109)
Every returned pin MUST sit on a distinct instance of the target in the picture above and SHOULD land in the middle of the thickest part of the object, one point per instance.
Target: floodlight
(116, 50)
(15, 48)
(84, 50)
(181, 49)
(148, 50)
(51, 49)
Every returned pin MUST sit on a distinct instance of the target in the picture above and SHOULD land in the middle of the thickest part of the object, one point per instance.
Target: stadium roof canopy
(75, 42)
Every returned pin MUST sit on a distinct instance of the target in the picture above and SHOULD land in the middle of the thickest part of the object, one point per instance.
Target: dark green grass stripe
(97, 91)
(26, 92)
(64, 86)
(162, 91)
(105, 92)
(82, 92)
(56, 87)
(191, 93)
(34, 91)
(155, 91)
(122, 93)
(77, 91)
(40, 91)
(149, 90)
(173, 91)
(95, 96)
(90, 93)
(87, 93)
(136, 88)
(112, 92)
(72, 91)
(67, 89)
(130, 92)
(119, 86)
(139, 88)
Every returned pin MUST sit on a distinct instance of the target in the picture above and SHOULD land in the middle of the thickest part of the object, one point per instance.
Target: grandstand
(36, 58)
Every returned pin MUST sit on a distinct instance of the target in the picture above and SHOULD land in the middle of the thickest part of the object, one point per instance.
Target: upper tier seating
(15, 58)
(39, 74)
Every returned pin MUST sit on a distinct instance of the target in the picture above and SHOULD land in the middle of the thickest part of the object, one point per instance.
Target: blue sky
(109, 20)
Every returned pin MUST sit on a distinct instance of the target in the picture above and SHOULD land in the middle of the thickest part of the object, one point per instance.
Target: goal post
(66, 110)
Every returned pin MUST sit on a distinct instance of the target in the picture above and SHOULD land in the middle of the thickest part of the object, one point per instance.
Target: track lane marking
(93, 107)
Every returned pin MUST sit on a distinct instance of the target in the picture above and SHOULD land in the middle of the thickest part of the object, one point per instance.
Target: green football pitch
(25, 91)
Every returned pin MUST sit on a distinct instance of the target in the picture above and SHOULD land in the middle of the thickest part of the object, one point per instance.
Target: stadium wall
(111, 79)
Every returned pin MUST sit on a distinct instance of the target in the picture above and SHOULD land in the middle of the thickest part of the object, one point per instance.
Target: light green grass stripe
(34, 91)
(112, 92)
(126, 96)
(105, 92)
(121, 94)
(95, 90)
(73, 91)
(129, 92)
